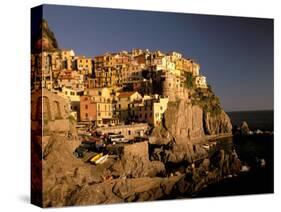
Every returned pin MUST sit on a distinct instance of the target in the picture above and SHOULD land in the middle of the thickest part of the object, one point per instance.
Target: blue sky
(235, 54)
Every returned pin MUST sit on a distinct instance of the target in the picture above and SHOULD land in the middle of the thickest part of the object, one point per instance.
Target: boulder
(244, 128)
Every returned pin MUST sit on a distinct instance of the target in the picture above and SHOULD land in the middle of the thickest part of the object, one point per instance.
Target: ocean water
(262, 120)
(250, 149)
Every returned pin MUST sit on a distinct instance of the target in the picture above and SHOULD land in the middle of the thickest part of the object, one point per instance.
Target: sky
(234, 53)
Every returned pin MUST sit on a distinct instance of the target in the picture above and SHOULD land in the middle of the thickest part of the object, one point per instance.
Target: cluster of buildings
(115, 88)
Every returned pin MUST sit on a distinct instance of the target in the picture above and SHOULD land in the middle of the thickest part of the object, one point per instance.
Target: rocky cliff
(218, 124)
(186, 124)
(43, 39)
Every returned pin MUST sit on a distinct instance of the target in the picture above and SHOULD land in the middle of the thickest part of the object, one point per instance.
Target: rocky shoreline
(172, 163)
(129, 179)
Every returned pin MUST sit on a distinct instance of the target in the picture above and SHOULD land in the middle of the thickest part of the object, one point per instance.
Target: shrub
(189, 80)
(207, 101)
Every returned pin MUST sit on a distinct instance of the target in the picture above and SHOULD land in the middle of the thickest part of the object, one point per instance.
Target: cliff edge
(186, 124)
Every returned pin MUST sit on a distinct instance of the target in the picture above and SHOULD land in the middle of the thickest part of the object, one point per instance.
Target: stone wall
(49, 112)
(173, 87)
(128, 131)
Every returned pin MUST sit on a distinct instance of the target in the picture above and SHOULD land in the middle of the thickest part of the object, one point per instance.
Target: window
(161, 108)
(86, 114)
(86, 107)
(129, 132)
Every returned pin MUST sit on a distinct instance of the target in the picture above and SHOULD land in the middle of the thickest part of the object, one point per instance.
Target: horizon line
(255, 110)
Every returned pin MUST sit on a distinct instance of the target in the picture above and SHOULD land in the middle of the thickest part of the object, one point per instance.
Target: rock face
(181, 123)
(183, 120)
(44, 39)
(184, 123)
(216, 124)
(189, 181)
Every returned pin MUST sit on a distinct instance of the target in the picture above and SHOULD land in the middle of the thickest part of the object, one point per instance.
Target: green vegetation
(207, 100)
(189, 80)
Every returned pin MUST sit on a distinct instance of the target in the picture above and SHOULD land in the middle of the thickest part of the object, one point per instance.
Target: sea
(250, 150)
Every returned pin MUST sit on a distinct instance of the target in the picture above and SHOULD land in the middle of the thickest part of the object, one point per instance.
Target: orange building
(88, 109)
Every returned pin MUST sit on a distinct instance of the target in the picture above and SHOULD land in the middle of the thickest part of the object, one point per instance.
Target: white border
(14, 148)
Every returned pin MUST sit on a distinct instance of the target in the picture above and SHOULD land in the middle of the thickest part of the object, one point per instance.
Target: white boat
(206, 146)
(102, 159)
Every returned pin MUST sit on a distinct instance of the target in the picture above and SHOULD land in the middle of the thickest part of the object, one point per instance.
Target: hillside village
(116, 89)
(130, 116)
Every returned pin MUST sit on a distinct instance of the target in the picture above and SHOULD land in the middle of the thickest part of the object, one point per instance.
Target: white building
(200, 81)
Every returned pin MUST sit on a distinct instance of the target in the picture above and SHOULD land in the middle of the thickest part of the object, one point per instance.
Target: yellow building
(195, 69)
(123, 101)
(72, 96)
(136, 52)
(149, 110)
(159, 107)
(67, 54)
(175, 56)
(160, 63)
(84, 65)
(56, 62)
(70, 79)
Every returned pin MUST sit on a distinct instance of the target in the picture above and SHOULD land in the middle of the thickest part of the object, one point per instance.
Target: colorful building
(149, 109)
(122, 104)
(84, 65)
(96, 106)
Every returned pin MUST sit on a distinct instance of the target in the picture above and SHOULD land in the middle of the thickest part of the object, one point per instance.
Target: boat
(96, 157)
(206, 146)
(102, 159)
